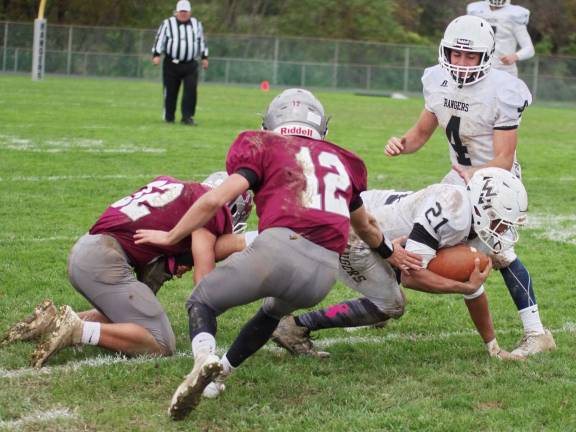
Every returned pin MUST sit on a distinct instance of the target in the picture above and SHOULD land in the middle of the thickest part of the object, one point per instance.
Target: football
(456, 262)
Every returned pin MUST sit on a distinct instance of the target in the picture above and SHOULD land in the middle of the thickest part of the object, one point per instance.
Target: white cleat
(535, 343)
(214, 390)
(189, 393)
(216, 387)
(66, 326)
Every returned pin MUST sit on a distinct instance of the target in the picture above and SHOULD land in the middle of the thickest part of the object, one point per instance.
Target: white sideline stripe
(101, 360)
(37, 417)
(88, 177)
(107, 360)
(558, 228)
(38, 239)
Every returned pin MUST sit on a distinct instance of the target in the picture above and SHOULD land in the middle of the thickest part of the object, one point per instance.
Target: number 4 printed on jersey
(134, 206)
(453, 135)
(333, 182)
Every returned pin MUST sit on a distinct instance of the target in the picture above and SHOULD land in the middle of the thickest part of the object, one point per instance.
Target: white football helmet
(470, 34)
(499, 205)
(240, 207)
(296, 112)
(498, 3)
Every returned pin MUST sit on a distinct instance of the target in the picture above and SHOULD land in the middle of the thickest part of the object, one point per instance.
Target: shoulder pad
(455, 200)
(519, 15)
(432, 74)
(475, 8)
(513, 92)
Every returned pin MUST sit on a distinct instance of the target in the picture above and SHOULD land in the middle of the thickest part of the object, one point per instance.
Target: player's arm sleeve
(426, 85)
(160, 41)
(513, 98)
(203, 43)
(359, 177)
(423, 243)
(246, 158)
(526, 50)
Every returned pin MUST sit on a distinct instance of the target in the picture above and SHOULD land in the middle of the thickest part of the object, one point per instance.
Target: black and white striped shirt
(181, 41)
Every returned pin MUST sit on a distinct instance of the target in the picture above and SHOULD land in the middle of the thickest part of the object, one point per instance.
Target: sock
(203, 344)
(353, 313)
(519, 284)
(91, 333)
(531, 320)
(201, 319)
(226, 366)
(249, 237)
(252, 337)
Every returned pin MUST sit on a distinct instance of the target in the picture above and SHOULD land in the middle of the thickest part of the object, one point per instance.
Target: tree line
(552, 22)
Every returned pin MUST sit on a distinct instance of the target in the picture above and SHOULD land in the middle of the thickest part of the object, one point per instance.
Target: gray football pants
(99, 270)
(282, 267)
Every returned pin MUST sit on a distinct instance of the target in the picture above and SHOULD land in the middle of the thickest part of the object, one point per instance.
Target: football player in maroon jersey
(307, 193)
(120, 278)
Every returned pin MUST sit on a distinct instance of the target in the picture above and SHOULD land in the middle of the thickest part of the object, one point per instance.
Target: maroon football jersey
(304, 184)
(159, 205)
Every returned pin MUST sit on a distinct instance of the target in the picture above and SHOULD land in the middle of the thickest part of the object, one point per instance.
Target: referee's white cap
(183, 5)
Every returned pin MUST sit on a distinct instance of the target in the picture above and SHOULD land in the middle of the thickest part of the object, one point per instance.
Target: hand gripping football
(456, 262)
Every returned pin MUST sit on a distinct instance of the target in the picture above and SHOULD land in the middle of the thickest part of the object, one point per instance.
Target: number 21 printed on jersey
(333, 182)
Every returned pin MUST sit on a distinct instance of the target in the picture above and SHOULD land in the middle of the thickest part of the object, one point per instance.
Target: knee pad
(167, 342)
(393, 308)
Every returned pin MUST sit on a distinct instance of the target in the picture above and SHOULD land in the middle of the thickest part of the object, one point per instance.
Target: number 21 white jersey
(469, 115)
(437, 216)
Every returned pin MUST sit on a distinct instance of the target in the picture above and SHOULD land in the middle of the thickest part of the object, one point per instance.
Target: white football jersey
(435, 217)
(470, 114)
(509, 24)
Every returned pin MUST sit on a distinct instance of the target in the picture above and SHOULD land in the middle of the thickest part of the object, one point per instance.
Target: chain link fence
(241, 59)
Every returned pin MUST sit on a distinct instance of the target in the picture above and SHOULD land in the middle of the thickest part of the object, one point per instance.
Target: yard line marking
(37, 417)
(107, 360)
(12, 239)
(101, 360)
(82, 145)
(559, 228)
(57, 178)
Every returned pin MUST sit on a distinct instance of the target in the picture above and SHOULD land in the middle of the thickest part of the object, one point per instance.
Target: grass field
(69, 148)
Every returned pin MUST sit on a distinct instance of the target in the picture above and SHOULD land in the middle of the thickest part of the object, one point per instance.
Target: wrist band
(385, 249)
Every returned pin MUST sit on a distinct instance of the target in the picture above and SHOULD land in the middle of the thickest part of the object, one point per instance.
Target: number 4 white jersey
(435, 217)
(469, 115)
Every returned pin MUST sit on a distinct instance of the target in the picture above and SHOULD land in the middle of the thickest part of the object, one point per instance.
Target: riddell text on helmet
(297, 130)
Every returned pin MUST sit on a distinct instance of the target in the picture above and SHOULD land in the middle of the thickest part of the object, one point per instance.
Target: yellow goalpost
(39, 44)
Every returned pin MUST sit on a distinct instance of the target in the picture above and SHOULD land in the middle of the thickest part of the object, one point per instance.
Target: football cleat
(535, 343)
(41, 321)
(296, 339)
(496, 352)
(216, 387)
(67, 331)
(189, 393)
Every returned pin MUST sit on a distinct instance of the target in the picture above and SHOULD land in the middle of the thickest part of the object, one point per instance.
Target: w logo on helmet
(487, 193)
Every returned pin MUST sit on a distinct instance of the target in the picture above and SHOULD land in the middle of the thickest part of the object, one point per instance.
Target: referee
(181, 39)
